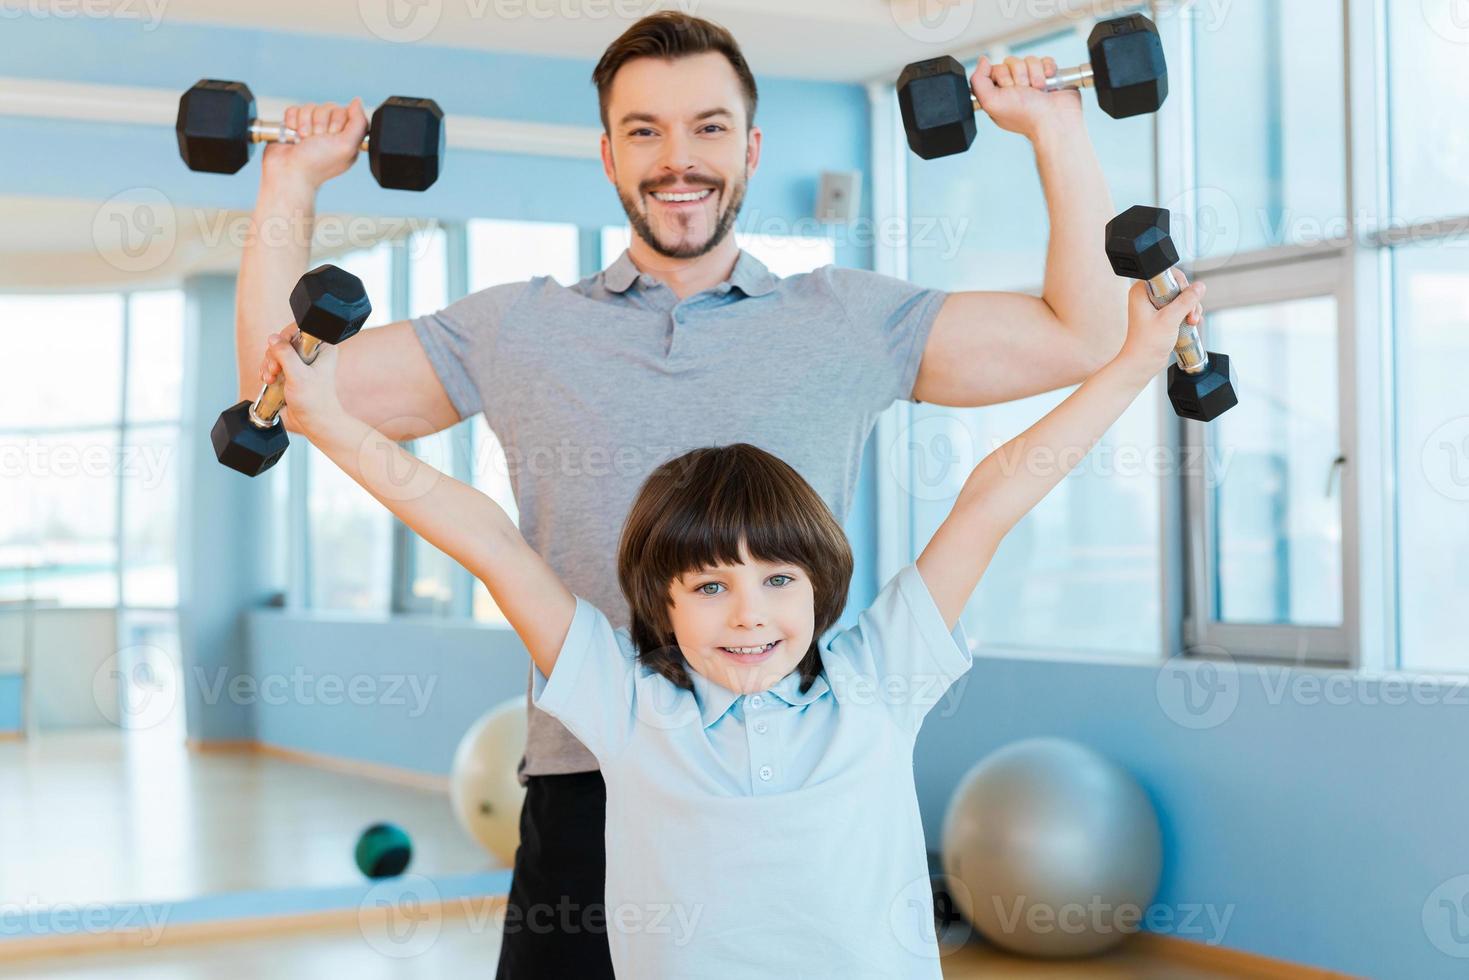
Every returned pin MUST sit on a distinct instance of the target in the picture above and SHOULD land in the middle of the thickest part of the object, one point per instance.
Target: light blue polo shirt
(773, 834)
(590, 387)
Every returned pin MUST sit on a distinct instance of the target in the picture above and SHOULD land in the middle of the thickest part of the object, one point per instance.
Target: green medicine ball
(383, 850)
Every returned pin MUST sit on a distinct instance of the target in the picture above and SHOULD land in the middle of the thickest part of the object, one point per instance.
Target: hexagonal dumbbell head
(406, 143)
(242, 445)
(213, 126)
(1128, 70)
(1204, 396)
(330, 304)
(937, 107)
(1138, 244)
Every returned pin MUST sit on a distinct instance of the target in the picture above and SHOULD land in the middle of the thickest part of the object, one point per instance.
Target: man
(683, 341)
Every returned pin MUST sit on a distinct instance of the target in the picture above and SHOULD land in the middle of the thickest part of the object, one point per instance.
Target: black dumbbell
(329, 305)
(1200, 385)
(217, 132)
(1126, 68)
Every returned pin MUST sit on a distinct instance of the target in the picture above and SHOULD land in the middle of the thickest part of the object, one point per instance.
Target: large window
(1081, 571)
(977, 220)
(89, 494)
(1339, 290)
(1270, 134)
(1431, 291)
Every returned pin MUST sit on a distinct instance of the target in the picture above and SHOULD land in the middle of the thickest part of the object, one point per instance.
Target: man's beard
(643, 228)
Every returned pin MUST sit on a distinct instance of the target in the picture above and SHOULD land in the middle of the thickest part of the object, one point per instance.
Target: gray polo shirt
(590, 387)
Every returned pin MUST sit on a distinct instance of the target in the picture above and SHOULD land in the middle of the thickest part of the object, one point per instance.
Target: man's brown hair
(670, 34)
(695, 511)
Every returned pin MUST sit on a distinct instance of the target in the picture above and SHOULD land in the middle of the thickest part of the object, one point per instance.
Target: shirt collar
(714, 700)
(749, 275)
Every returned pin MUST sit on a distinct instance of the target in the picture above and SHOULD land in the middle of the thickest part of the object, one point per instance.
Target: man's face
(678, 152)
(744, 626)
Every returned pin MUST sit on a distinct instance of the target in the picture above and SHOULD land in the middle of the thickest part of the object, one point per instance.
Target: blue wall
(809, 126)
(1325, 817)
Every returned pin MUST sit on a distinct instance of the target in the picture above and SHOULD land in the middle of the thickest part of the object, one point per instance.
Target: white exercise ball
(1051, 849)
(483, 787)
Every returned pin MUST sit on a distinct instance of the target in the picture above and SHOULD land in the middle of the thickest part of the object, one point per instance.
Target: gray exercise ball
(1051, 849)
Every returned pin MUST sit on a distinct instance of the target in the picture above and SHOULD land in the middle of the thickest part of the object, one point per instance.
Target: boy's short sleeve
(902, 647)
(892, 316)
(460, 340)
(592, 687)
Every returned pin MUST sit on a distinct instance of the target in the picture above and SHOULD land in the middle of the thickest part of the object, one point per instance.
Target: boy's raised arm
(463, 523)
(1011, 480)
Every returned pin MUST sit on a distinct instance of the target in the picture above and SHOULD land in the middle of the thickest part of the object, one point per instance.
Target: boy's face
(679, 127)
(726, 619)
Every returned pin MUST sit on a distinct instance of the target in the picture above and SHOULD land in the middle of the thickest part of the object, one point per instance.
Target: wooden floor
(112, 817)
(463, 949)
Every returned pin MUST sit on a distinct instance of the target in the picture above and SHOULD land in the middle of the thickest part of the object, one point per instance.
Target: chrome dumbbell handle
(266, 410)
(1162, 290)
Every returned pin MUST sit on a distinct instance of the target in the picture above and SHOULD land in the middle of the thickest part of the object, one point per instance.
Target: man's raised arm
(383, 376)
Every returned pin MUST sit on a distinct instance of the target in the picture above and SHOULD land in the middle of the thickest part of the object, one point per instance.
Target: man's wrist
(288, 188)
(1056, 130)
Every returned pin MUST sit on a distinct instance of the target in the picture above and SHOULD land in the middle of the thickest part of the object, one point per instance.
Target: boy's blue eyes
(784, 580)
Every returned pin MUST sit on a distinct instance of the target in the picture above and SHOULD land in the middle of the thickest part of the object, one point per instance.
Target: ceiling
(837, 40)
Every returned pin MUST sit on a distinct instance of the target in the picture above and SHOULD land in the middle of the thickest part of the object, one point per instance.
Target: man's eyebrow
(649, 117)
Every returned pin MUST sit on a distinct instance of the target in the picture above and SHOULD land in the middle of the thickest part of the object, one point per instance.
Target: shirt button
(760, 728)
(757, 700)
(765, 772)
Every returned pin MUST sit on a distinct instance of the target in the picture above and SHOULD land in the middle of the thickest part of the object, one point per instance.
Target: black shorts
(555, 919)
